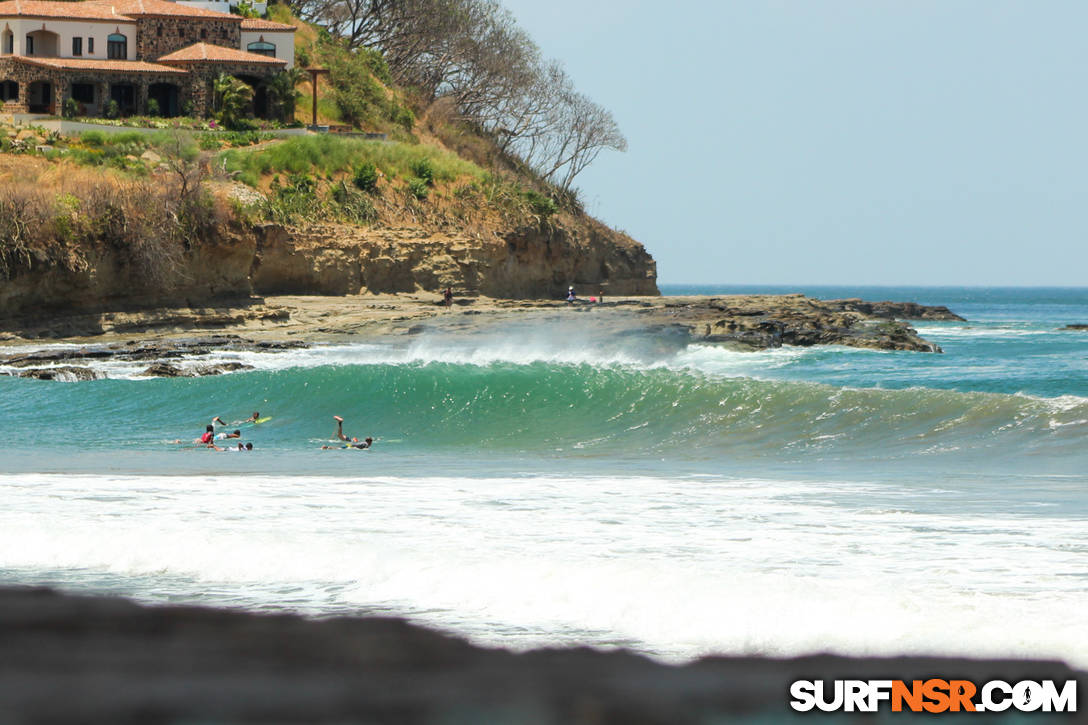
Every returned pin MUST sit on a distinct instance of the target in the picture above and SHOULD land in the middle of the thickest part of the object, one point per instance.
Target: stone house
(132, 51)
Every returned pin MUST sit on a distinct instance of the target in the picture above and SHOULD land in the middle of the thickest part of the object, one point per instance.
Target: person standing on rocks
(570, 295)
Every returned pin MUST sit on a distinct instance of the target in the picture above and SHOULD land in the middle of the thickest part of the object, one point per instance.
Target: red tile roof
(60, 10)
(122, 66)
(162, 8)
(266, 26)
(208, 53)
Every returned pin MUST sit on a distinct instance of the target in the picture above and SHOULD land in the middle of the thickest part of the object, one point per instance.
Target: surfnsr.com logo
(933, 695)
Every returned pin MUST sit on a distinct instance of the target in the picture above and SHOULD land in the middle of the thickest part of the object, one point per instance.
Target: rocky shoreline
(163, 338)
(66, 658)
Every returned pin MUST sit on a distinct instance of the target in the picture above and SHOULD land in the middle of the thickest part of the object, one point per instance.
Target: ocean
(553, 484)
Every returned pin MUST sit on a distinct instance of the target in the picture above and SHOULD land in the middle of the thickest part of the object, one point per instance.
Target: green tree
(284, 96)
(233, 98)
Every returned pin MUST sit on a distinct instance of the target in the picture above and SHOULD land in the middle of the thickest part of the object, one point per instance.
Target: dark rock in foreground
(155, 352)
(1076, 326)
(67, 373)
(102, 660)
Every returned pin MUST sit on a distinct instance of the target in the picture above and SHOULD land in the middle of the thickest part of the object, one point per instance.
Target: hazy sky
(838, 141)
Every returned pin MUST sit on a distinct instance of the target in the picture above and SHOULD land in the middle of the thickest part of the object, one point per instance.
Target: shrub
(402, 116)
(424, 169)
(366, 177)
(542, 206)
(93, 138)
(297, 199)
(241, 138)
(418, 188)
(112, 109)
(153, 107)
(209, 142)
(353, 206)
(70, 108)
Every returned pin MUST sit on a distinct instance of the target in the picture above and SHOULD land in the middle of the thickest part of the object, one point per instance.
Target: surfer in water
(230, 449)
(206, 439)
(351, 442)
(225, 436)
(354, 443)
(253, 418)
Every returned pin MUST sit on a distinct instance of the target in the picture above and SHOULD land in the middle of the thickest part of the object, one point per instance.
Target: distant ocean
(549, 484)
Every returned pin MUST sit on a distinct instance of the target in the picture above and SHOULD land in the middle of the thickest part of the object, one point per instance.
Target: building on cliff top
(131, 52)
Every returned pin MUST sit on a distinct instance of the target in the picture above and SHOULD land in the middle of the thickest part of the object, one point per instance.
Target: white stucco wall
(68, 29)
(284, 42)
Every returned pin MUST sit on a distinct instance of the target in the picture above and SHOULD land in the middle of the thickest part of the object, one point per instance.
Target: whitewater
(556, 483)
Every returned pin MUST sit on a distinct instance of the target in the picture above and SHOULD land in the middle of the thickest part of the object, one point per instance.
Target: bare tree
(473, 54)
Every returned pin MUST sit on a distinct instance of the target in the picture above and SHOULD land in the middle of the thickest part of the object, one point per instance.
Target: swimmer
(218, 421)
(225, 436)
(253, 418)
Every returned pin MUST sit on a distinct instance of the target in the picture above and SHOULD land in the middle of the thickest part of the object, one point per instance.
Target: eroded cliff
(328, 259)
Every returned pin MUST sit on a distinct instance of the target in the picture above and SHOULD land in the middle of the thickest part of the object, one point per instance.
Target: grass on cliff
(330, 155)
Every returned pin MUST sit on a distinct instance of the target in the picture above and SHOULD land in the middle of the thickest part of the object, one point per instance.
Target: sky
(853, 142)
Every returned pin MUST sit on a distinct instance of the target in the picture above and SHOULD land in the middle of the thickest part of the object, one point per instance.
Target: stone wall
(203, 74)
(158, 36)
(25, 74)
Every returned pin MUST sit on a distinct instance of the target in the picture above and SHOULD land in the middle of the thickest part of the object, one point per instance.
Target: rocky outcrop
(164, 358)
(897, 310)
(765, 321)
(1076, 326)
(104, 660)
(339, 260)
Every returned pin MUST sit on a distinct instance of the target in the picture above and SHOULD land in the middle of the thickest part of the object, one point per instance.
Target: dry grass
(56, 214)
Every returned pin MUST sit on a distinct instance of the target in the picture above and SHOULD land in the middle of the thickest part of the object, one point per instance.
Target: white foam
(682, 567)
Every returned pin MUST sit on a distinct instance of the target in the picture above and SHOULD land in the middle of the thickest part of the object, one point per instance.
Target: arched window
(262, 48)
(117, 47)
(9, 91)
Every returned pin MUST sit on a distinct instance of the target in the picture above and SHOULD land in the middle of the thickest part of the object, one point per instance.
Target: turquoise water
(559, 481)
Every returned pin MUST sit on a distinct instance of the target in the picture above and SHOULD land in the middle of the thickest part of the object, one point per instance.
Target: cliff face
(526, 262)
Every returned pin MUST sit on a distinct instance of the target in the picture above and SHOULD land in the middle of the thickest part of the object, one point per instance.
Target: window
(77, 47)
(262, 48)
(9, 91)
(117, 47)
(203, 33)
(9, 43)
(90, 46)
(83, 92)
(158, 33)
(30, 45)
